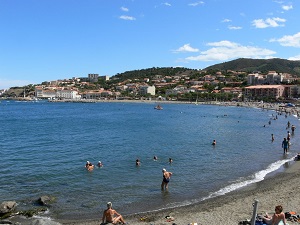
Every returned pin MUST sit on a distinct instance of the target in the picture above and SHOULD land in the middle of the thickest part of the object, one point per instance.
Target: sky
(46, 40)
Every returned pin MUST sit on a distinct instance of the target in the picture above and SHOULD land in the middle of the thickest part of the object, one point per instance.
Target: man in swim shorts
(285, 145)
(111, 216)
(166, 179)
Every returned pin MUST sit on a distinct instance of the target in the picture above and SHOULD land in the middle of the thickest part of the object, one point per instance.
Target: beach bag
(287, 215)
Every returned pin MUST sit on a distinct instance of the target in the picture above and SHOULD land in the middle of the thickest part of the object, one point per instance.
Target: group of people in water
(89, 166)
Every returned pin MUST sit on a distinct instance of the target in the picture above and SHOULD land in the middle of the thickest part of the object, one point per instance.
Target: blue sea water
(44, 147)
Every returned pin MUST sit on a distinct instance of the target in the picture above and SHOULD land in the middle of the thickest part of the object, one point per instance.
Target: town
(172, 84)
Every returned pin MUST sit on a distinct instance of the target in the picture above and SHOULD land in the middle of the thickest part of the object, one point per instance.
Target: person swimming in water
(214, 142)
(137, 162)
(89, 166)
(166, 179)
(100, 164)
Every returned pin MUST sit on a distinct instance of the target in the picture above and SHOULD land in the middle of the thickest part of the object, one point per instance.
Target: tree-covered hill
(152, 72)
(262, 65)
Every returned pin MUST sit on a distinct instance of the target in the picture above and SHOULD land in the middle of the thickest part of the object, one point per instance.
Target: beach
(278, 188)
(229, 209)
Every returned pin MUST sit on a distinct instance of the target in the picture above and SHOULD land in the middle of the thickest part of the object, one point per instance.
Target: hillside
(151, 72)
(262, 65)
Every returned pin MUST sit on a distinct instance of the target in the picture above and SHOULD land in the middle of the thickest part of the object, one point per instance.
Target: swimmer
(272, 137)
(89, 166)
(137, 162)
(155, 158)
(214, 142)
(100, 164)
(170, 160)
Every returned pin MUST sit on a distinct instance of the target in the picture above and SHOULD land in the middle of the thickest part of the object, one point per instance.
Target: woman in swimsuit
(166, 179)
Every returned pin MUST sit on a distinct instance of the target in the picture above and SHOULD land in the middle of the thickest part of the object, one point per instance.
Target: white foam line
(258, 176)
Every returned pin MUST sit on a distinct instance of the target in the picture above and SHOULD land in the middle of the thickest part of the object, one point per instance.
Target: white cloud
(226, 21)
(230, 27)
(269, 22)
(124, 9)
(295, 58)
(287, 7)
(226, 50)
(196, 3)
(127, 18)
(167, 4)
(186, 48)
(289, 40)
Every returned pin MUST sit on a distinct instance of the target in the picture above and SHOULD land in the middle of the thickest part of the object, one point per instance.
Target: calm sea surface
(44, 147)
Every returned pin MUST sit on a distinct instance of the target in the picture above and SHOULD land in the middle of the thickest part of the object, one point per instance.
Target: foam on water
(258, 176)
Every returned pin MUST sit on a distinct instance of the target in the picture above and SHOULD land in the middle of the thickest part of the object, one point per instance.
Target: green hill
(151, 72)
(262, 65)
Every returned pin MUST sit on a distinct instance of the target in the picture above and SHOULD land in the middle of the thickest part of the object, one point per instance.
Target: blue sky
(44, 40)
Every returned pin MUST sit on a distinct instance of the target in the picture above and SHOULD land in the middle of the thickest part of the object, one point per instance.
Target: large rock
(46, 200)
(7, 206)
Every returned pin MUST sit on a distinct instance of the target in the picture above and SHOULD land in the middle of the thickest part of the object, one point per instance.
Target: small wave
(258, 176)
(43, 220)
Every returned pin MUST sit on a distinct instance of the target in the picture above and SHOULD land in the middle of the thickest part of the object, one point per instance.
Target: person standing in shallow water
(285, 145)
(166, 179)
(272, 137)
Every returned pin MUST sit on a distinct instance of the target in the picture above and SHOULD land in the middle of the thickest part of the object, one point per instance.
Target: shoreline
(276, 188)
(228, 209)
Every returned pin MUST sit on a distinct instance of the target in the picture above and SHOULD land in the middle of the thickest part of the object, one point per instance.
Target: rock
(7, 206)
(5, 222)
(45, 200)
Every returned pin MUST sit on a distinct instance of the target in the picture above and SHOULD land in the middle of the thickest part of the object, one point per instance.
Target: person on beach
(166, 179)
(277, 217)
(111, 216)
(285, 145)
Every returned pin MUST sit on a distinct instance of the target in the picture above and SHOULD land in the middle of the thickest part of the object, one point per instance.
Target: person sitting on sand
(276, 218)
(111, 216)
(166, 179)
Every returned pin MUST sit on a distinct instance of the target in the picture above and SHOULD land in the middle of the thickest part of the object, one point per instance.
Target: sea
(45, 145)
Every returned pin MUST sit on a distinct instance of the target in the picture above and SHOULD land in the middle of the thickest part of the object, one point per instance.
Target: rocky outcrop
(7, 207)
(45, 200)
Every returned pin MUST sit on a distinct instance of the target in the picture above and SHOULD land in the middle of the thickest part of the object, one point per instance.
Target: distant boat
(158, 107)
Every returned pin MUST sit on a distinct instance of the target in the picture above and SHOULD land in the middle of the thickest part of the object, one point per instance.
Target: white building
(144, 90)
(67, 94)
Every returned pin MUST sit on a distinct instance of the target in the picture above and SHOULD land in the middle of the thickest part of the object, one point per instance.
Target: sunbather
(276, 218)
